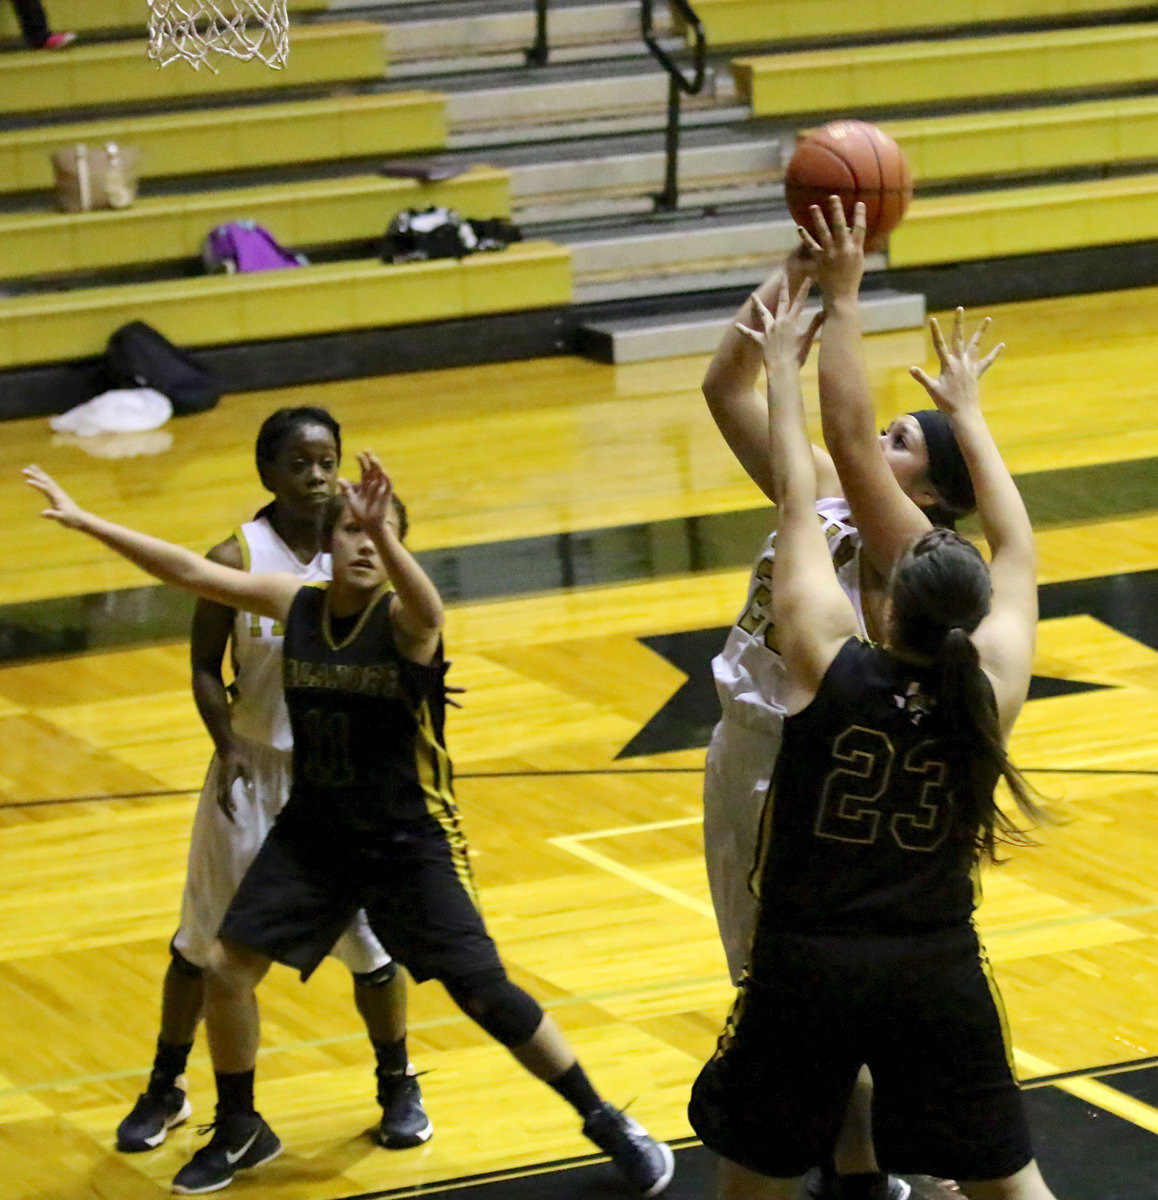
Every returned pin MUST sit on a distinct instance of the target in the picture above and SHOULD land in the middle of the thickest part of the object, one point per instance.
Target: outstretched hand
(835, 247)
(370, 499)
(962, 366)
(778, 332)
(61, 506)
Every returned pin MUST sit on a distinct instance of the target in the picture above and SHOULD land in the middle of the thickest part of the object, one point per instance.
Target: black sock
(234, 1097)
(869, 1185)
(574, 1086)
(393, 1058)
(168, 1063)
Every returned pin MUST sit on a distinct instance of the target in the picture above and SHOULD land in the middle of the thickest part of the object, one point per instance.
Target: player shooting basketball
(873, 495)
(880, 808)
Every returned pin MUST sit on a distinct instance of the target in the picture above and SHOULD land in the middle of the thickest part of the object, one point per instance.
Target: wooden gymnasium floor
(592, 534)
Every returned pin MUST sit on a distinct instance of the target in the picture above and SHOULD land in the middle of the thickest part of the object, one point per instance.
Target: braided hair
(940, 592)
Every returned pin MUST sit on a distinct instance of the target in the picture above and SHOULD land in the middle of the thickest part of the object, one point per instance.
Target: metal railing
(540, 49)
(679, 85)
(680, 82)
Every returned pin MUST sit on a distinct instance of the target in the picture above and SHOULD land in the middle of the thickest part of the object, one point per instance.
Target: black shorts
(310, 877)
(920, 1012)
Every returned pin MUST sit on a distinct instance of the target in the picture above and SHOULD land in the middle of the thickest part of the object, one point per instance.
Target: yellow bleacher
(1025, 140)
(202, 140)
(1029, 220)
(111, 73)
(300, 214)
(741, 22)
(855, 78)
(227, 309)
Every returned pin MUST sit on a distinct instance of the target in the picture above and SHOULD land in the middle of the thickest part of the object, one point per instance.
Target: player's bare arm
(416, 608)
(208, 640)
(729, 387)
(268, 595)
(887, 519)
(1005, 638)
(812, 614)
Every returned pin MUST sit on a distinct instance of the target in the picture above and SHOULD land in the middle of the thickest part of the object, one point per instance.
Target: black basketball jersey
(864, 829)
(367, 721)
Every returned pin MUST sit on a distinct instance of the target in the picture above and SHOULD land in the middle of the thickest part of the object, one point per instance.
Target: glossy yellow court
(592, 533)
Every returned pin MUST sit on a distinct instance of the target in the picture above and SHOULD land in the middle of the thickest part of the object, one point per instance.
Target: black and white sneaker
(825, 1184)
(156, 1111)
(404, 1121)
(226, 1153)
(647, 1165)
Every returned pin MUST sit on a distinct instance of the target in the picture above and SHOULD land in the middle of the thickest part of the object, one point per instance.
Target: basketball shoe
(404, 1121)
(825, 1184)
(647, 1165)
(231, 1149)
(156, 1111)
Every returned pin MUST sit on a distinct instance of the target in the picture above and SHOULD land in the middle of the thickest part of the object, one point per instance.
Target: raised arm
(1005, 638)
(416, 608)
(269, 595)
(811, 613)
(740, 412)
(208, 641)
(886, 518)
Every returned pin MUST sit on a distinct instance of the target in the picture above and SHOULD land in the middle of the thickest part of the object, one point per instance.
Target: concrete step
(581, 107)
(445, 44)
(673, 335)
(681, 256)
(738, 171)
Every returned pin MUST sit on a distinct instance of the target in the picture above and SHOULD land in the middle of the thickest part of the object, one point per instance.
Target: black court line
(576, 771)
(64, 626)
(1109, 1069)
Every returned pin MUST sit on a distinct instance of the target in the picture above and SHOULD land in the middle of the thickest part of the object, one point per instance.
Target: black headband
(947, 470)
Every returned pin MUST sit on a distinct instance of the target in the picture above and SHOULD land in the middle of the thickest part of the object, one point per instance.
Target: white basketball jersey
(749, 671)
(258, 711)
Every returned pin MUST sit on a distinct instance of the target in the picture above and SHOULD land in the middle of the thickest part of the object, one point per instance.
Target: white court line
(576, 844)
(573, 844)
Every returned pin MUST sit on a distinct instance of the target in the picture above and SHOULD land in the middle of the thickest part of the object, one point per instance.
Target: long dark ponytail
(940, 593)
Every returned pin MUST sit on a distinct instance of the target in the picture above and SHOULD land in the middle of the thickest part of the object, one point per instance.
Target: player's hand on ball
(836, 248)
(61, 506)
(962, 365)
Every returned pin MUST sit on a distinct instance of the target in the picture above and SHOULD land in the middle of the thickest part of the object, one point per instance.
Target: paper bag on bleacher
(91, 177)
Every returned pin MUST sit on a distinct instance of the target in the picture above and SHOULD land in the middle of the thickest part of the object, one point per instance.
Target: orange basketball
(855, 161)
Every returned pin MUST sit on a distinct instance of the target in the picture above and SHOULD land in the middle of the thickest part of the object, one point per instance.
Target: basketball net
(199, 31)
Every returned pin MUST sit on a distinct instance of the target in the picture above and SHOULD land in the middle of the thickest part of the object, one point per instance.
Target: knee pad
(183, 966)
(377, 978)
(500, 1007)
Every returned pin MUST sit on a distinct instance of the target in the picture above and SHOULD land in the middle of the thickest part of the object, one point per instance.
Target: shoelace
(407, 1074)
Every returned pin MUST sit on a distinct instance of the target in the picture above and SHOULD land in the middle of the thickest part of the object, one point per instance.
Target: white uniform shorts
(737, 772)
(220, 851)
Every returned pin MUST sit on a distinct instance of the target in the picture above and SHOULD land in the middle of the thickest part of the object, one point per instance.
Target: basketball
(855, 161)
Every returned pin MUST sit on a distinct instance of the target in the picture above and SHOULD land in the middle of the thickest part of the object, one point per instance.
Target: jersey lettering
(759, 610)
(850, 792)
(928, 827)
(847, 803)
(278, 629)
(325, 757)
